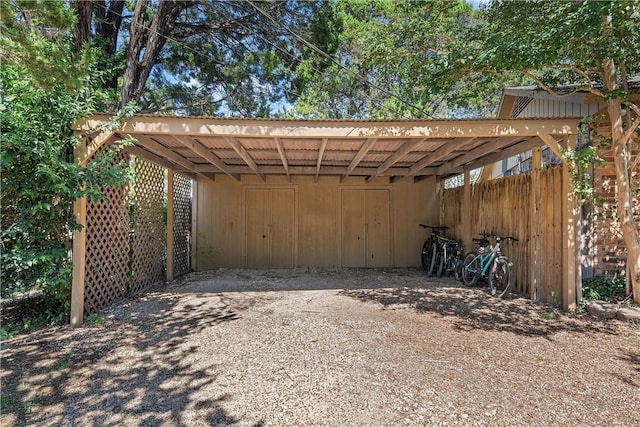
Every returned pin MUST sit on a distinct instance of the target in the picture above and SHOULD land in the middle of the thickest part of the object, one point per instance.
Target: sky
(476, 3)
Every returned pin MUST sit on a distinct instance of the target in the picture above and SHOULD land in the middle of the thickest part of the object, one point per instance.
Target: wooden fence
(503, 207)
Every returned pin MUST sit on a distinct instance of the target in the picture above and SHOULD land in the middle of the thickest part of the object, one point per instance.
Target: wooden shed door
(270, 228)
(366, 237)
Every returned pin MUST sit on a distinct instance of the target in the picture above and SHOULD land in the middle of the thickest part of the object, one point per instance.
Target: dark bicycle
(441, 255)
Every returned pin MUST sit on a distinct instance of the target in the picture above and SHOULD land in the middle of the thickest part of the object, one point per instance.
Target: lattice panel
(181, 224)
(148, 226)
(107, 248)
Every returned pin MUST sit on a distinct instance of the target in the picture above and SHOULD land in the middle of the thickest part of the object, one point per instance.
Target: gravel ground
(325, 347)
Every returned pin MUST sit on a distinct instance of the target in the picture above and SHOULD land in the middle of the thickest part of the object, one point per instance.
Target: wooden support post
(194, 224)
(535, 238)
(570, 274)
(467, 232)
(78, 260)
(170, 213)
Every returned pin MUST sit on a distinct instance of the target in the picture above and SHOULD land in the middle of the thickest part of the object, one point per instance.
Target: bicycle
(429, 248)
(451, 260)
(440, 254)
(489, 258)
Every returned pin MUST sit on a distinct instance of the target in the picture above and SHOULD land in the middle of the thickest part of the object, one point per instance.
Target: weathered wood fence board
(503, 207)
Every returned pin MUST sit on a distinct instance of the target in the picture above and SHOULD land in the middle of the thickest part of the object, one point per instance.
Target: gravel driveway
(325, 347)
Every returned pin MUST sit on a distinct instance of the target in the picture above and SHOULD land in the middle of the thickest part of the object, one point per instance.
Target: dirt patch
(325, 347)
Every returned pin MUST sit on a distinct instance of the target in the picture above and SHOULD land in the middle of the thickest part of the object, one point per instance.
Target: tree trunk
(146, 43)
(108, 19)
(622, 156)
(82, 29)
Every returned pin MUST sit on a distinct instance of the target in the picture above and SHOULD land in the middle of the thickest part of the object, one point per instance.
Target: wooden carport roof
(208, 146)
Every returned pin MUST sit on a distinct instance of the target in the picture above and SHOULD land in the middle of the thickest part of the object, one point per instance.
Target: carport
(272, 193)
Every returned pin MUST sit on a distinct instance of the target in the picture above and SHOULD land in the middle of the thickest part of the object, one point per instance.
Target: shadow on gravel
(473, 309)
(304, 279)
(75, 377)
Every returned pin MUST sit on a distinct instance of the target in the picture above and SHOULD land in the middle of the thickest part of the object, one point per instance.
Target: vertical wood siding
(391, 213)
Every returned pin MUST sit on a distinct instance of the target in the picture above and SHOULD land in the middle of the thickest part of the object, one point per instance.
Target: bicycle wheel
(501, 277)
(470, 269)
(425, 258)
(457, 269)
(434, 259)
(440, 265)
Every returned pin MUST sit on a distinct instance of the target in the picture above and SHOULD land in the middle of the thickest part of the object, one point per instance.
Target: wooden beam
(244, 155)
(444, 150)
(475, 154)
(170, 213)
(406, 148)
(311, 170)
(553, 145)
(162, 151)
(245, 127)
(285, 164)
(145, 154)
(78, 262)
(504, 154)
(149, 156)
(570, 275)
(535, 226)
(323, 146)
(198, 148)
(364, 148)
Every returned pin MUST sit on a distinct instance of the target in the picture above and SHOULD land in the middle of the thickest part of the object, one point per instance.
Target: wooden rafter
(553, 145)
(323, 146)
(446, 149)
(406, 148)
(160, 150)
(364, 148)
(514, 150)
(481, 151)
(198, 148)
(151, 157)
(285, 165)
(244, 155)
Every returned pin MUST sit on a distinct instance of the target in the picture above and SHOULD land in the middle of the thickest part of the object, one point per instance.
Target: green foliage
(560, 43)
(94, 319)
(40, 180)
(402, 59)
(45, 89)
(35, 37)
(604, 289)
(580, 164)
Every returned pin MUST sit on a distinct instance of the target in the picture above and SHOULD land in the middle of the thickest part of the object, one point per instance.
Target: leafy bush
(604, 289)
(40, 181)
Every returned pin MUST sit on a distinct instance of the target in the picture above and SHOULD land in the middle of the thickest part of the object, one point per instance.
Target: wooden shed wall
(503, 206)
(226, 221)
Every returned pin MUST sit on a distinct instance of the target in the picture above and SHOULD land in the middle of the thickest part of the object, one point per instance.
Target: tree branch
(632, 128)
(552, 92)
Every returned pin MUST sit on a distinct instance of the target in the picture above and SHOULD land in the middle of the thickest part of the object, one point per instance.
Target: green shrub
(604, 289)
(40, 180)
